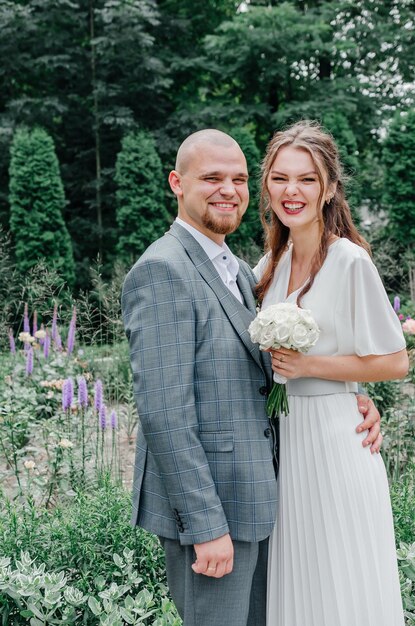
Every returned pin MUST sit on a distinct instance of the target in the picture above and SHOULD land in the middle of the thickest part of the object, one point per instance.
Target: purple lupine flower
(98, 395)
(58, 340)
(12, 342)
(54, 322)
(29, 361)
(82, 392)
(67, 394)
(396, 303)
(34, 323)
(103, 417)
(113, 419)
(71, 333)
(46, 345)
(26, 325)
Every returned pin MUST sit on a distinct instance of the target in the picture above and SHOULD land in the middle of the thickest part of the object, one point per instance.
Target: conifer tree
(247, 240)
(399, 187)
(37, 201)
(141, 213)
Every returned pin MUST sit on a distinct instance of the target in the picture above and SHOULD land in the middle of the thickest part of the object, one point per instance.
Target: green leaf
(94, 605)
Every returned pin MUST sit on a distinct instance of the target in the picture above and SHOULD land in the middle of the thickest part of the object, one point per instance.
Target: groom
(204, 474)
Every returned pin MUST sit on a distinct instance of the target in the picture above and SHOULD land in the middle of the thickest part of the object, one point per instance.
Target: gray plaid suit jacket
(204, 457)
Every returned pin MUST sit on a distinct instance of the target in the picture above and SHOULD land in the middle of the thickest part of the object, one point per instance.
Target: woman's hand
(289, 363)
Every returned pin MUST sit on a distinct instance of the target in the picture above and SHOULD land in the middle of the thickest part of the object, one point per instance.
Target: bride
(332, 556)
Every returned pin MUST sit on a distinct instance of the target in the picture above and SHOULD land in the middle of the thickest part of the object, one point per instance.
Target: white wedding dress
(332, 554)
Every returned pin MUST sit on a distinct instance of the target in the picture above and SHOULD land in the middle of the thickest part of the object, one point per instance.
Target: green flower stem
(277, 402)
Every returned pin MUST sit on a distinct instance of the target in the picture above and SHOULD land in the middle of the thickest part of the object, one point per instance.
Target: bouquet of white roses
(283, 325)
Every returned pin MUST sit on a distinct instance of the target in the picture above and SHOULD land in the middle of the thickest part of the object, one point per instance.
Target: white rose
(300, 337)
(40, 334)
(305, 314)
(255, 330)
(267, 338)
(282, 332)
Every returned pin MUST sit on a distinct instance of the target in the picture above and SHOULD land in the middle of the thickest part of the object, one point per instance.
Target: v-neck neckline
(287, 282)
(289, 265)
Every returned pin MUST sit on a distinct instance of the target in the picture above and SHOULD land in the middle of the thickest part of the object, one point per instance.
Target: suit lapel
(246, 288)
(246, 283)
(239, 315)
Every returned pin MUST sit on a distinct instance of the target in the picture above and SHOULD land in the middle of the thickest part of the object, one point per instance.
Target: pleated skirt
(332, 554)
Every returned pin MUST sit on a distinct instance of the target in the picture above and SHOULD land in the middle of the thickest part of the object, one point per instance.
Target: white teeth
(222, 205)
(293, 206)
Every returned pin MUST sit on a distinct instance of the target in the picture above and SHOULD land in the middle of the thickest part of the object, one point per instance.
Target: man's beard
(221, 225)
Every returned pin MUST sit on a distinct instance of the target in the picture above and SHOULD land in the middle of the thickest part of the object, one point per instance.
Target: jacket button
(267, 433)
(263, 391)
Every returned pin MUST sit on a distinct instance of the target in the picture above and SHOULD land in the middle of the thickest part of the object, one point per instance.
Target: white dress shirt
(222, 258)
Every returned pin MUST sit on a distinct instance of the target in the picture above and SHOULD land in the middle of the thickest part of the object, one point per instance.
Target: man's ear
(175, 183)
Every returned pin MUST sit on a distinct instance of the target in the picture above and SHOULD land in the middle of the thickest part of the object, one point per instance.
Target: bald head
(208, 136)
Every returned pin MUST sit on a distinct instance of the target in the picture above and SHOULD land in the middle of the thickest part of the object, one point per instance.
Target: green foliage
(249, 232)
(341, 130)
(389, 256)
(398, 448)
(406, 560)
(81, 535)
(47, 598)
(399, 163)
(403, 505)
(37, 201)
(90, 73)
(384, 394)
(141, 213)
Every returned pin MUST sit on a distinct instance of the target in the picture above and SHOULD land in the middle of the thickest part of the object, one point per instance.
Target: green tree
(141, 213)
(37, 201)
(399, 188)
(399, 194)
(247, 240)
(345, 138)
(87, 72)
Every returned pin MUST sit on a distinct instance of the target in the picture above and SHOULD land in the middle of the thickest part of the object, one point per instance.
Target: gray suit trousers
(237, 599)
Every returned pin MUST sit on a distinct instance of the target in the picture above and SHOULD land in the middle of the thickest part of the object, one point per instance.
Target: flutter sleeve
(365, 320)
(259, 268)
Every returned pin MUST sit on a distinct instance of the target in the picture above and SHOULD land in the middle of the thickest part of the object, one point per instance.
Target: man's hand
(371, 423)
(214, 558)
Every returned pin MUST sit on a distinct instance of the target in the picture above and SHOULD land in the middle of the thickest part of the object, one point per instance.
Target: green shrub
(81, 535)
(247, 240)
(141, 213)
(37, 201)
(403, 504)
(406, 562)
(399, 180)
(384, 394)
(30, 592)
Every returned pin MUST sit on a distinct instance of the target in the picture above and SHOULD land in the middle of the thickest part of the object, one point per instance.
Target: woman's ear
(331, 190)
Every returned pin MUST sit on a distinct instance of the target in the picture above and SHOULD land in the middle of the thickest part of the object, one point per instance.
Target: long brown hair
(335, 216)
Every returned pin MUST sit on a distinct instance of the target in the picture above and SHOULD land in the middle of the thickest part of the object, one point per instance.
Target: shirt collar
(211, 248)
(214, 251)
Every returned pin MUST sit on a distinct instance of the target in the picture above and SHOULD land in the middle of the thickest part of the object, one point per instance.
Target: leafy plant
(45, 598)
(406, 561)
